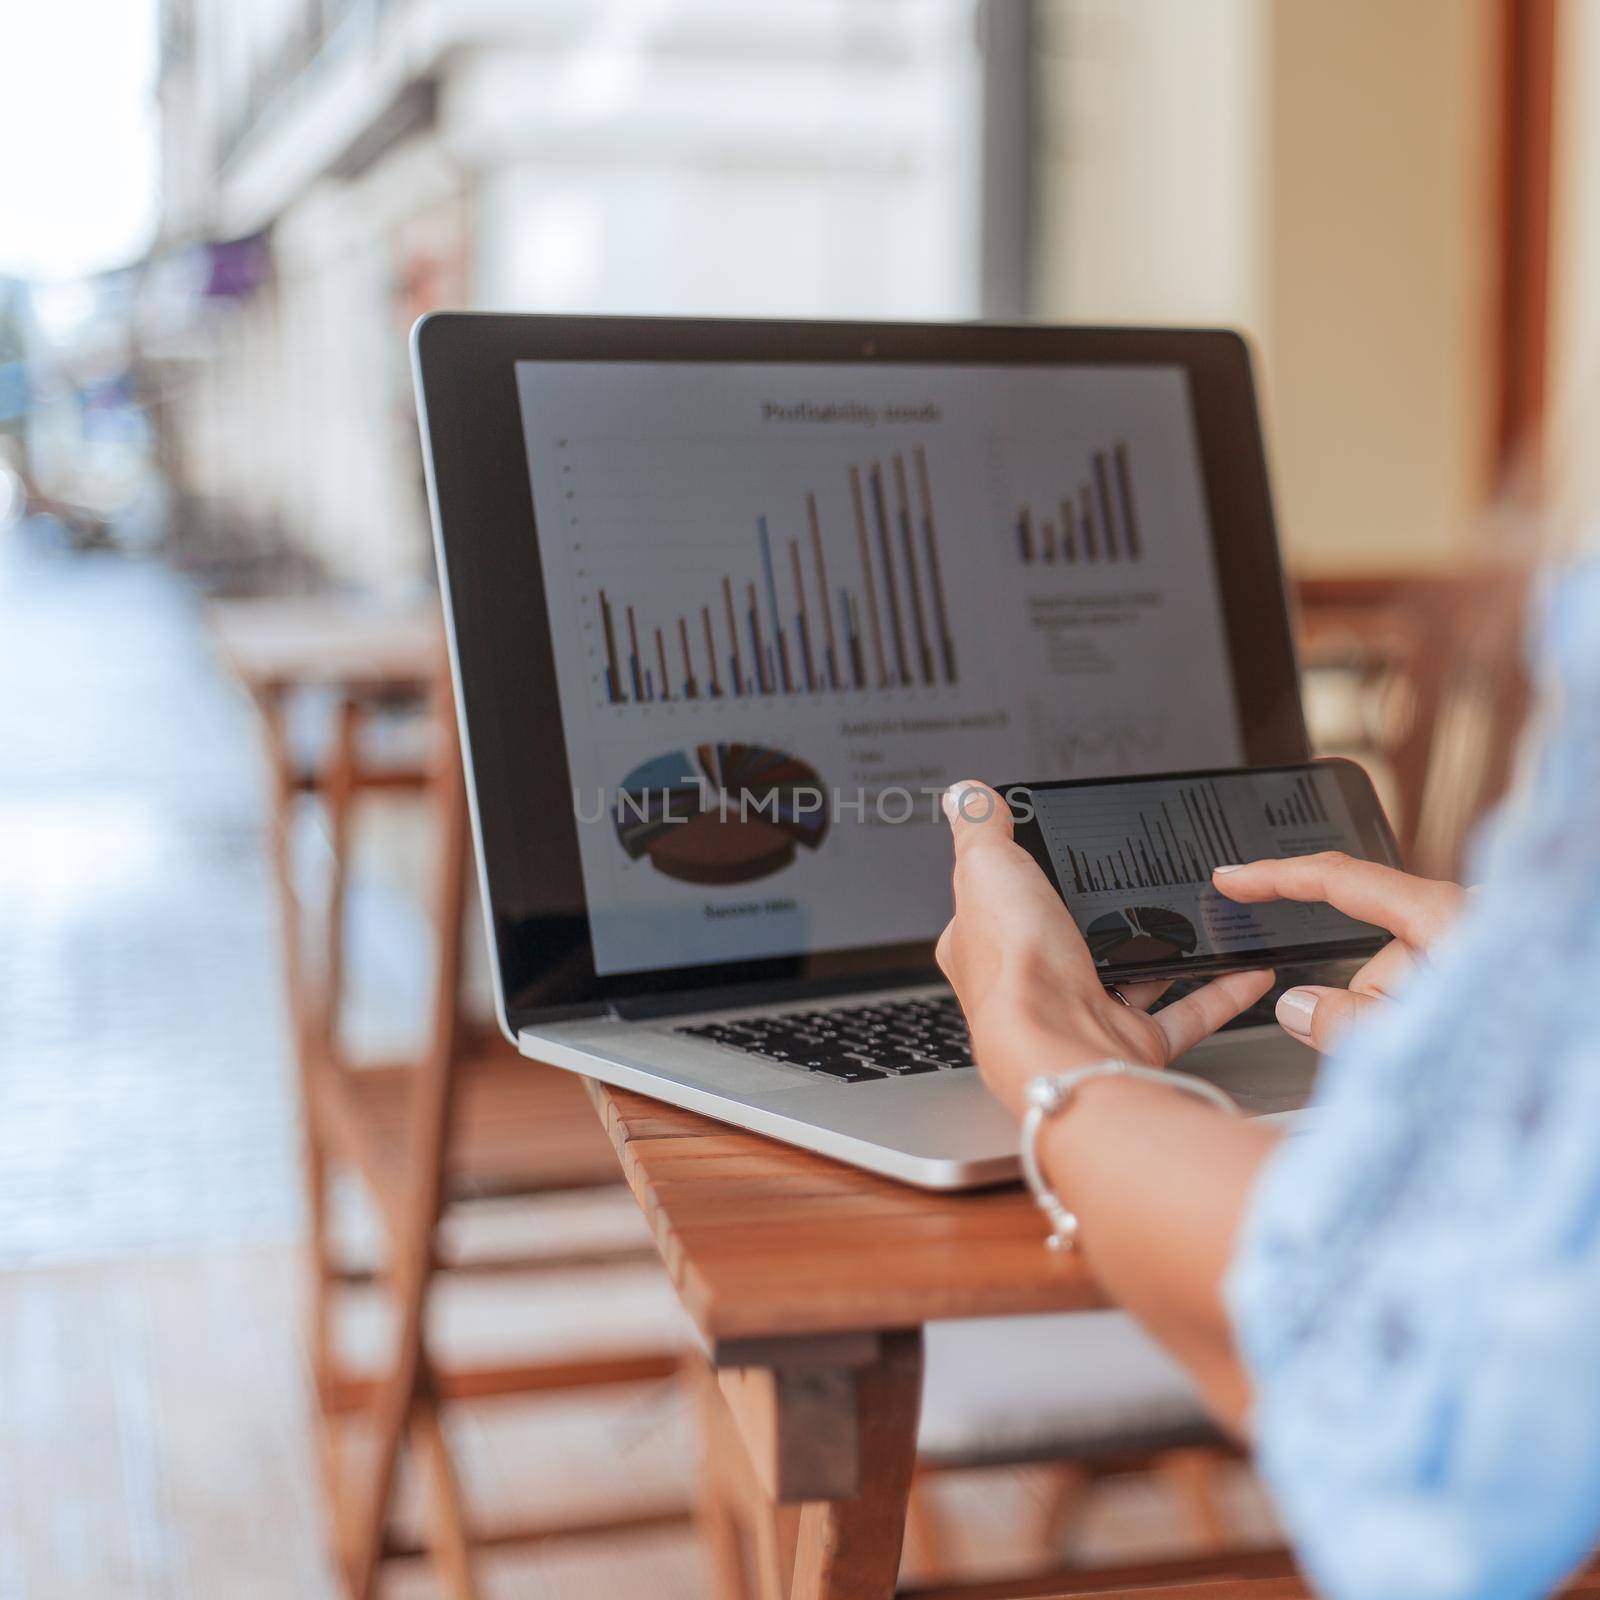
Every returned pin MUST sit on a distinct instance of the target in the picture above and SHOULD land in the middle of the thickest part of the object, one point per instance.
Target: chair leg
(717, 1512)
(322, 1273)
(719, 1538)
(321, 1286)
(852, 1547)
(370, 1517)
(927, 1550)
(777, 1534)
(413, 1219)
(1192, 1477)
(749, 1542)
(395, 1402)
(447, 1521)
(1066, 1499)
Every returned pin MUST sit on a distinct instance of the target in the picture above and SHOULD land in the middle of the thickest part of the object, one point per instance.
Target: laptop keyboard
(899, 1038)
(853, 1044)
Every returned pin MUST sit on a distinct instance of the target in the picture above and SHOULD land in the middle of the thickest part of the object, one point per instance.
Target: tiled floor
(144, 1103)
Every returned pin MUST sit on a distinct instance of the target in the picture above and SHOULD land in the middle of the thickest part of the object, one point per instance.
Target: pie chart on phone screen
(720, 813)
(1140, 933)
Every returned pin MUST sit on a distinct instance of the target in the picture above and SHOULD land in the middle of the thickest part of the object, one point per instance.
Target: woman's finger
(1387, 971)
(977, 815)
(1197, 1016)
(1417, 910)
(1317, 1016)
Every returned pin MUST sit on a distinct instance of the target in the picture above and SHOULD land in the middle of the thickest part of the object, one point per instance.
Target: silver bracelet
(1051, 1092)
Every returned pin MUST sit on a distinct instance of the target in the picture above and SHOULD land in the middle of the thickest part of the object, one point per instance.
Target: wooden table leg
(723, 1492)
(850, 1549)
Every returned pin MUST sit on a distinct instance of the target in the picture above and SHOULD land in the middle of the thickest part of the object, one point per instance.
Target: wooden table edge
(1061, 1284)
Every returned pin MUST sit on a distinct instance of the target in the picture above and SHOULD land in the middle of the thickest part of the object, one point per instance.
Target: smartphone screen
(1133, 859)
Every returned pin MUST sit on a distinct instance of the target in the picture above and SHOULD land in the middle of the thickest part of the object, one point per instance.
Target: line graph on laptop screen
(897, 576)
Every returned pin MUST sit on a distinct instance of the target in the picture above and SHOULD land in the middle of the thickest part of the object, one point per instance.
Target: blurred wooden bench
(463, 1119)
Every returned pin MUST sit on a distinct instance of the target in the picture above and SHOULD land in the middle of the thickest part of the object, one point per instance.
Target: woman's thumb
(1316, 1015)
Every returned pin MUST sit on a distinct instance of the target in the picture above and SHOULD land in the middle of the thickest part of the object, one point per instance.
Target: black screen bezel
(502, 658)
(1365, 807)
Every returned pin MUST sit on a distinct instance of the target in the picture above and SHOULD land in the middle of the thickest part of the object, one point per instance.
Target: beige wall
(1380, 274)
(1318, 172)
(1150, 150)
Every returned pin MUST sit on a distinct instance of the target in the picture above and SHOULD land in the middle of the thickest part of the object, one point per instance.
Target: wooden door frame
(1525, 68)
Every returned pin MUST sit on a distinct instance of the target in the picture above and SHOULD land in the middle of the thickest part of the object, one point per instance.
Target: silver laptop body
(939, 1130)
(927, 1121)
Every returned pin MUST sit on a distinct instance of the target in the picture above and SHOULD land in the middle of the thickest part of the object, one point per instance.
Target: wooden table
(274, 646)
(809, 1283)
(283, 650)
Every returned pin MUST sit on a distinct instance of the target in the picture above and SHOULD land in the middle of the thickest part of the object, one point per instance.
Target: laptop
(731, 602)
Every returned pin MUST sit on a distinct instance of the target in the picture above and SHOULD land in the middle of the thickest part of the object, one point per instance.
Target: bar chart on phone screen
(1136, 860)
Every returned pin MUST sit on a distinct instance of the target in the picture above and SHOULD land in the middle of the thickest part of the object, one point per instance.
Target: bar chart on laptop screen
(1089, 519)
(834, 585)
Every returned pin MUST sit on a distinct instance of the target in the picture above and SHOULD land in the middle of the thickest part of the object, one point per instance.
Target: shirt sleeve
(1416, 1291)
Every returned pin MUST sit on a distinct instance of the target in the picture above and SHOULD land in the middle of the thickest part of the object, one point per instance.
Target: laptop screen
(790, 603)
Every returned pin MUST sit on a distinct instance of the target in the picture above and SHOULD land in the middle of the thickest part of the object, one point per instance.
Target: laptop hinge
(645, 1007)
(586, 1011)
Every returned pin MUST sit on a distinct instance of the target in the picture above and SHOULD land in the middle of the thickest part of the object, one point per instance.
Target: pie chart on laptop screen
(720, 813)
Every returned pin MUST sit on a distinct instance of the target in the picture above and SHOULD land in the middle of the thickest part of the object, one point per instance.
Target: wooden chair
(1428, 670)
(465, 1119)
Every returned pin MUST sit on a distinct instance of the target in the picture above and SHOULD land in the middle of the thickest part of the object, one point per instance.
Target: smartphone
(1132, 858)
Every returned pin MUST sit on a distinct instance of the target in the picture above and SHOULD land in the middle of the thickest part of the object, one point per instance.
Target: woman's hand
(1415, 910)
(1033, 999)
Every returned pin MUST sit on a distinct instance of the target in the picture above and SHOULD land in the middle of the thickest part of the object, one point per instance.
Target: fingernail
(1295, 1009)
(1231, 866)
(956, 803)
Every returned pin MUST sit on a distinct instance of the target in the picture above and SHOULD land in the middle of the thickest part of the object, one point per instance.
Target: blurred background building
(218, 223)
(1357, 186)
(373, 161)
(1339, 180)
